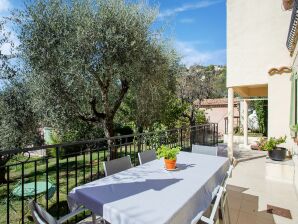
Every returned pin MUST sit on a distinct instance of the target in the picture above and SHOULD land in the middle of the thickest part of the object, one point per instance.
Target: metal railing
(236, 124)
(49, 178)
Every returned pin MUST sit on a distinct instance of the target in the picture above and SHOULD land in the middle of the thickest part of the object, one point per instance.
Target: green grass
(83, 174)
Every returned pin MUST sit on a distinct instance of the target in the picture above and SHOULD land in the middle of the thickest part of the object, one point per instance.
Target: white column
(230, 122)
(245, 123)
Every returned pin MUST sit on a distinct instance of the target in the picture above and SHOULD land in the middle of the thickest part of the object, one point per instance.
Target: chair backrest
(227, 176)
(147, 156)
(40, 215)
(203, 149)
(211, 216)
(117, 165)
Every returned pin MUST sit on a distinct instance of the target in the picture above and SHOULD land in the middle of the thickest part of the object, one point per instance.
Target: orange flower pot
(288, 4)
(170, 164)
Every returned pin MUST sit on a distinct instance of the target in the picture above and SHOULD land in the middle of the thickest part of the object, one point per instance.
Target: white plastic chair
(219, 202)
(147, 156)
(41, 216)
(213, 217)
(224, 200)
(117, 165)
(203, 149)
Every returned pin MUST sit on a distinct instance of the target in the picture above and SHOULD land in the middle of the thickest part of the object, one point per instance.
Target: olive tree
(18, 123)
(7, 53)
(84, 57)
(194, 85)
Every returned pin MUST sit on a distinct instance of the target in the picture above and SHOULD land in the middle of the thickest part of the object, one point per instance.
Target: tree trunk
(140, 138)
(108, 127)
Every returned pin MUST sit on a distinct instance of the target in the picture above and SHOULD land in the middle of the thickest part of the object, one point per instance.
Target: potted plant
(271, 145)
(294, 129)
(288, 4)
(169, 154)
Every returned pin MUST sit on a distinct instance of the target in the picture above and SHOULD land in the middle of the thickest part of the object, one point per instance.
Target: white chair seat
(117, 165)
(203, 149)
(147, 156)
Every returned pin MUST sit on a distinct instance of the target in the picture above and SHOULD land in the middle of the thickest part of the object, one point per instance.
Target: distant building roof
(221, 102)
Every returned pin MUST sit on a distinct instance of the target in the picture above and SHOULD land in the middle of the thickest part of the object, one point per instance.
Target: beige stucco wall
(279, 96)
(217, 115)
(256, 40)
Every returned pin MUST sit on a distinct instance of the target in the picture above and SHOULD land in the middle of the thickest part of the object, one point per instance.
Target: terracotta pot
(170, 164)
(288, 4)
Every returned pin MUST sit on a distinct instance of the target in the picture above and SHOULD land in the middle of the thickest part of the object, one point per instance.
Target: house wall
(279, 96)
(256, 40)
(217, 115)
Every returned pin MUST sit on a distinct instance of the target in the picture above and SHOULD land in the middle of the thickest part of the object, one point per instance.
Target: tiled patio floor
(239, 153)
(249, 194)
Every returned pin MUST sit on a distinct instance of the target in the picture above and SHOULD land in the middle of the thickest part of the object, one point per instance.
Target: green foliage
(272, 143)
(18, 123)
(84, 57)
(195, 85)
(219, 83)
(168, 152)
(59, 138)
(261, 107)
(7, 53)
(200, 117)
(294, 128)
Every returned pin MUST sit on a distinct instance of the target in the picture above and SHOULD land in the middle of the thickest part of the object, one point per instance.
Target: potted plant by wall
(294, 129)
(170, 156)
(288, 4)
(274, 151)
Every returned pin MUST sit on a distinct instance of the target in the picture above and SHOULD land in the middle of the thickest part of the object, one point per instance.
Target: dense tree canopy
(18, 123)
(194, 85)
(84, 57)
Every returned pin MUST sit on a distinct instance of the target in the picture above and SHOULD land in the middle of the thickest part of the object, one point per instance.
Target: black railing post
(98, 163)
(213, 134)
(91, 173)
(7, 195)
(181, 140)
(216, 134)
(57, 181)
(47, 183)
(35, 179)
(76, 170)
(67, 175)
(22, 179)
(84, 167)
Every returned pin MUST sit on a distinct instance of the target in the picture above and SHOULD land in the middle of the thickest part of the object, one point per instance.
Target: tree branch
(186, 115)
(123, 91)
(99, 115)
(96, 117)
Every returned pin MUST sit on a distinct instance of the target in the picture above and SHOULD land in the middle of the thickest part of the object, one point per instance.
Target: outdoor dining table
(149, 194)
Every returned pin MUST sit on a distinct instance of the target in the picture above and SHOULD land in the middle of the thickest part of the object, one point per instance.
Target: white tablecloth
(150, 194)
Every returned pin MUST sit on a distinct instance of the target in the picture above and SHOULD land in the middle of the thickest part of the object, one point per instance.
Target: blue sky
(197, 27)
